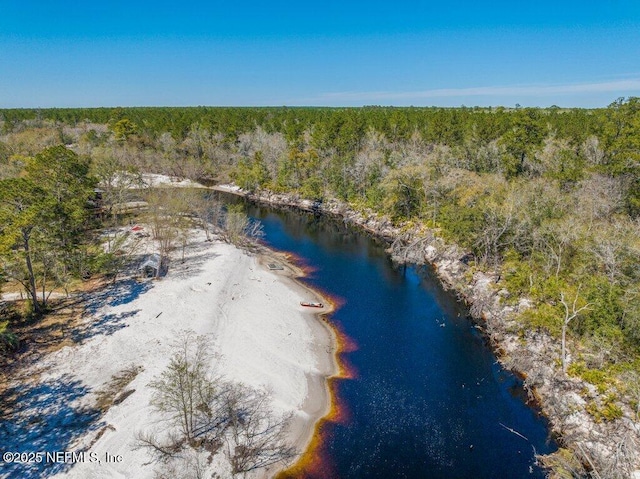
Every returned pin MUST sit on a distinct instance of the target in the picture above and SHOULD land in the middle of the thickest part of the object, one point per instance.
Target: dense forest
(547, 198)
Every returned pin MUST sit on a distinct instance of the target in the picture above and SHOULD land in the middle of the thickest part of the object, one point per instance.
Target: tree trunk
(44, 286)
(568, 316)
(26, 233)
(564, 347)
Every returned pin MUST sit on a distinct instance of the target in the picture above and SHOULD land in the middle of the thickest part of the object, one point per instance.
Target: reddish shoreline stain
(315, 462)
(300, 263)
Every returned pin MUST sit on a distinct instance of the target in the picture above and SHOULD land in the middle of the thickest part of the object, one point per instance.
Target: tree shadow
(123, 292)
(104, 326)
(43, 417)
(196, 254)
(191, 266)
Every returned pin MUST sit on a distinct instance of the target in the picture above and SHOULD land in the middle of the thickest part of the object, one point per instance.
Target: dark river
(428, 399)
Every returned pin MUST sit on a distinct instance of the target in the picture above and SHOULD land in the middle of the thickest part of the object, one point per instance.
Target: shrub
(599, 378)
(8, 340)
(607, 411)
(544, 316)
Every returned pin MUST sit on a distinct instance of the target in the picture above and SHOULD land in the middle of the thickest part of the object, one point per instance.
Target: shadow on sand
(103, 326)
(123, 292)
(43, 417)
(196, 255)
(48, 415)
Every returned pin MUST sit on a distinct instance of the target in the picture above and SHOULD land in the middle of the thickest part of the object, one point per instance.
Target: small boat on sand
(311, 305)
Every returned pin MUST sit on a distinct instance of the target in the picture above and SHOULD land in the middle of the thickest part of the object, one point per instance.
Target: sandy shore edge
(317, 404)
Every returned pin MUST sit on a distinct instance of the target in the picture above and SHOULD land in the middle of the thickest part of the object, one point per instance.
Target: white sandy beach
(263, 337)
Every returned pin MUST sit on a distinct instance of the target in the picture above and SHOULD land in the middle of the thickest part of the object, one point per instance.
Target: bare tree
(598, 197)
(201, 412)
(548, 158)
(208, 211)
(592, 151)
(239, 229)
(257, 437)
(186, 389)
(497, 223)
(569, 315)
(168, 216)
(119, 250)
(503, 225)
(272, 146)
(189, 465)
(118, 180)
(612, 245)
(558, 238)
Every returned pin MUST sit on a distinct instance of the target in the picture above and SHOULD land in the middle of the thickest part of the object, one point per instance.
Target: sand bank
(262, 335)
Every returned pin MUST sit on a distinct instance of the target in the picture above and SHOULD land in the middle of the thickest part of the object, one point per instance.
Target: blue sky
(72, 53)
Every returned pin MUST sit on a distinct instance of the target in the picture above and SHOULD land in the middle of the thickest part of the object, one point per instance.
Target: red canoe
(311, 305)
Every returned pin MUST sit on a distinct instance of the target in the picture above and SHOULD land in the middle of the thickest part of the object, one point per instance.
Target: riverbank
(610, 447)
(94, 395)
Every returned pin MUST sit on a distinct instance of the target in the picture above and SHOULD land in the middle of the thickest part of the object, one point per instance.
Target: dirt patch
(41, 336)
(114, 391)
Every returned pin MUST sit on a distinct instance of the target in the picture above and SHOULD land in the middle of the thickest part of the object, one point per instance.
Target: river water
(427, 398)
